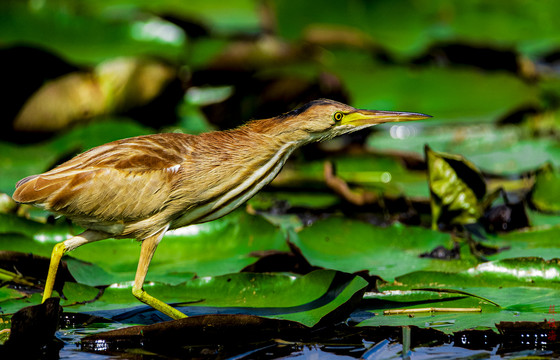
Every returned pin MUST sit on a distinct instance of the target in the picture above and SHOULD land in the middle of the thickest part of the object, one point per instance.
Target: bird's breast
(236, 192)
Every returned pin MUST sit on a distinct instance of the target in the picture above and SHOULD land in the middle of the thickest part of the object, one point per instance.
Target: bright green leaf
(306, 299)
(219, 247)
(503, 150)
(353, 246)
(446, 94)
(526, 26)
(535, 242)
(88, 38)
(514, 272)
(525, 292)
(546, 193)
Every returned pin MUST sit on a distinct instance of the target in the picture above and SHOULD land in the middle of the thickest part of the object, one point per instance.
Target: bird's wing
(126, 180)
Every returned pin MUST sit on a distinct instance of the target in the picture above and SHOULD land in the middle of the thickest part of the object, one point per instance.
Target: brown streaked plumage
(143, 186)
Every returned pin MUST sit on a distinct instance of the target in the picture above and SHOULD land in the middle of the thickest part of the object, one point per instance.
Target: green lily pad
(312, 200)
(525, 270)
(535, 242)
(41, 233)
(526, 26)
(527, 287)
(546, 193)
(454, 319)
(294, 18)
(88, 38)
(214, 248)
(353, 246)
(513, 272)
(21, 243)
(7, 293)
(382, 173)
(500, 150)
(524, 156)
(448, 95)
(457, 139)
(539, 219)
(221, 15)
(15, 301)
(305, 299)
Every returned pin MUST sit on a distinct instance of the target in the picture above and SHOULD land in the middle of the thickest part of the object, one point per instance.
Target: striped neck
(244, 169)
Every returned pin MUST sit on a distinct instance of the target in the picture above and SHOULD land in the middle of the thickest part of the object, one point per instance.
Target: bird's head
(324, 119)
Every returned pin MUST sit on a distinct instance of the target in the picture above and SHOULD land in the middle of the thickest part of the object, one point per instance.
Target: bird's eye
(338, 116)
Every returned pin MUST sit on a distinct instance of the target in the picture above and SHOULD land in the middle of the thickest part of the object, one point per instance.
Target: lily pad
(218, 247)
(305, 299)
(546, 194)
(221, 15)
(539, 219)
(527, 286)
(88, 38)
(448, 95)
(214, 248)
(511, 272)
(7, 293)
(535, 242)
(23, 235)
(353, 246)
(501, 150)
(526, 26)
(448, 315)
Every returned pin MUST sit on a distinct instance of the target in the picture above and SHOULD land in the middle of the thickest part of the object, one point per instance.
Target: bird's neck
(283, 132)
(236, 164)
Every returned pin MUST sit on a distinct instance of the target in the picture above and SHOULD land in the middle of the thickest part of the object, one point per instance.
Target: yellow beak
(374, 117)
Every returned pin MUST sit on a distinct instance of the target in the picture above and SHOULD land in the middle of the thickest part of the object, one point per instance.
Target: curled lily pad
(114, 86)
(457, 187)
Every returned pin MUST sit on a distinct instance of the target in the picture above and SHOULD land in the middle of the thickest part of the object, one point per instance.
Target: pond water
(347, 344)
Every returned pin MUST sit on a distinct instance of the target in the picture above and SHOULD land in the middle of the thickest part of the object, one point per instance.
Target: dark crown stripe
(304, 108)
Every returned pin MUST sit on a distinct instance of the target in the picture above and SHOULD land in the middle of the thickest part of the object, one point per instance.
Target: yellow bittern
(143, 186)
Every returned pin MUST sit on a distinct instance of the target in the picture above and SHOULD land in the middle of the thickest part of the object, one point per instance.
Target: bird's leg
(63, 247)
(147, 251)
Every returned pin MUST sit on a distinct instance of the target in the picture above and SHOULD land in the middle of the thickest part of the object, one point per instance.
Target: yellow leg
(63, 247)
(147, 251)
(58, 251)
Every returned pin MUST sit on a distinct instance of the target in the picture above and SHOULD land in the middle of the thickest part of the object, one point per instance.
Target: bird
(140, 187)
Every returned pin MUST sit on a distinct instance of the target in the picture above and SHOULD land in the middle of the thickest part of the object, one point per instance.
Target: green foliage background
(486, 71)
